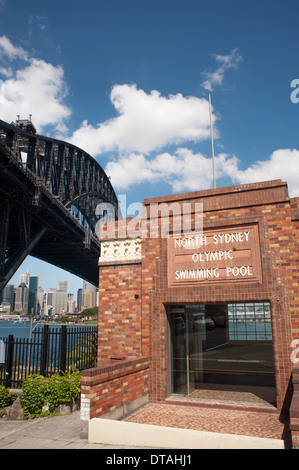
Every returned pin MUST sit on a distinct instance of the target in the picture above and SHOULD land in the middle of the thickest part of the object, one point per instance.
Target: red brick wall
(119, 321)
(112, 385)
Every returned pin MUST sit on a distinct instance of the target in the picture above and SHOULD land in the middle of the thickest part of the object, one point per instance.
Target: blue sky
(128, 81)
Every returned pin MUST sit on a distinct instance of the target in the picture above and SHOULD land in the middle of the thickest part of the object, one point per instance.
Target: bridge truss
(49, 191)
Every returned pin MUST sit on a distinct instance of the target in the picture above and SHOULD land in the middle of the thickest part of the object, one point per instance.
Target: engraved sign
(215, 256)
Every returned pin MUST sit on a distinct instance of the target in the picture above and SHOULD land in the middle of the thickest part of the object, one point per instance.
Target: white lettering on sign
(196, 241)
(242, 271)
(231, 237)
(212, 256)
(196, 273)
(216, 254)
(190, 242)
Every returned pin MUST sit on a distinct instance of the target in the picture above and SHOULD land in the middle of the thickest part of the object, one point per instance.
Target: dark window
(221, 343)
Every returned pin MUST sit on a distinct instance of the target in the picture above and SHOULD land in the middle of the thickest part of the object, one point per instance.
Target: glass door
(220, 344)
(195, 315)
(179, 361)
(188, 333)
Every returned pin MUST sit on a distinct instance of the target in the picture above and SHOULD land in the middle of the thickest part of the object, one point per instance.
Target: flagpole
(213, 158)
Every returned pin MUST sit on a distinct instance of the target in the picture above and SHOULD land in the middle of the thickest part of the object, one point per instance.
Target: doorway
(227, 344)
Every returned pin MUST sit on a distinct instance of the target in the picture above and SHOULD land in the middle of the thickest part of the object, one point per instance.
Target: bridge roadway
(49, 191)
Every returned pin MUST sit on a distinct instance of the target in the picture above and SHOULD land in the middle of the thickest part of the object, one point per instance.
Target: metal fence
(50, 350)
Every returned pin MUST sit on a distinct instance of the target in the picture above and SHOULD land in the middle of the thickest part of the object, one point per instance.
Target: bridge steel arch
(49, 191)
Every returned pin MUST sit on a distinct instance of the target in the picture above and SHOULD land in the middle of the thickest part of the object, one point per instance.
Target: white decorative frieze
(128, 249)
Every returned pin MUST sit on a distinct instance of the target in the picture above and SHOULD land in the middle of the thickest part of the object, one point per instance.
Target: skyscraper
(50, 301)
(21, 299)
(88, 299)
(24, 278)
(40, 296)
(71, 303)
(89, 294)
(9, 296)
(56, 299)
(62, 286)
(32, 295)
(61, 301)
(79, 300)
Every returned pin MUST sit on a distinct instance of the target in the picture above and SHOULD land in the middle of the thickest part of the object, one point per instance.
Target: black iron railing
(49, 351)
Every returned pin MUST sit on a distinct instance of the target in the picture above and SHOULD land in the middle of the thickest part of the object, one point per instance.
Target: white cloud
(8, 50)
(228, 61)
(146, 122)
(38, 89)
(185, 171)
(282, 164)
(182, 171)
(6, 71)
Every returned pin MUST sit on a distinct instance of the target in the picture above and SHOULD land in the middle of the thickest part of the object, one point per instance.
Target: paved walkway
(57, 432)
(241, 410)
(64, 432)
(267, 425)
(247, 412)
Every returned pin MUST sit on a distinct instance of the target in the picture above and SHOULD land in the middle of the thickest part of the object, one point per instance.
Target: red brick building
(215, 301)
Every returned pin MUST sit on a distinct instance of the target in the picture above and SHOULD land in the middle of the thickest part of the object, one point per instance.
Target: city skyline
(61, 284)
(48, 274)
(28, 296)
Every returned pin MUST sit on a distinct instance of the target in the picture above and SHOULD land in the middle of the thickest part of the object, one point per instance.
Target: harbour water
(22, 329)
(77, 348)
(18, 329)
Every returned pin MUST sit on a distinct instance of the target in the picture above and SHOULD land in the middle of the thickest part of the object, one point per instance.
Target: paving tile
(247, 423)
(243, 410)
(63, 432)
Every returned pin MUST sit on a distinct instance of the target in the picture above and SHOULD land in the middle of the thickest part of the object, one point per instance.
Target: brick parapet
(231, 197)
(113, 385)
(113, 369)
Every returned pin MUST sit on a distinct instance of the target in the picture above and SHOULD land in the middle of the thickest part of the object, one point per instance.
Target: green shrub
(5, 397)
(61, 388)
(74, 380)
(42, 395)
(33, 396)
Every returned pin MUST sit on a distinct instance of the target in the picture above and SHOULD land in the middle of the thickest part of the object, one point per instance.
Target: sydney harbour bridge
(49, 192)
